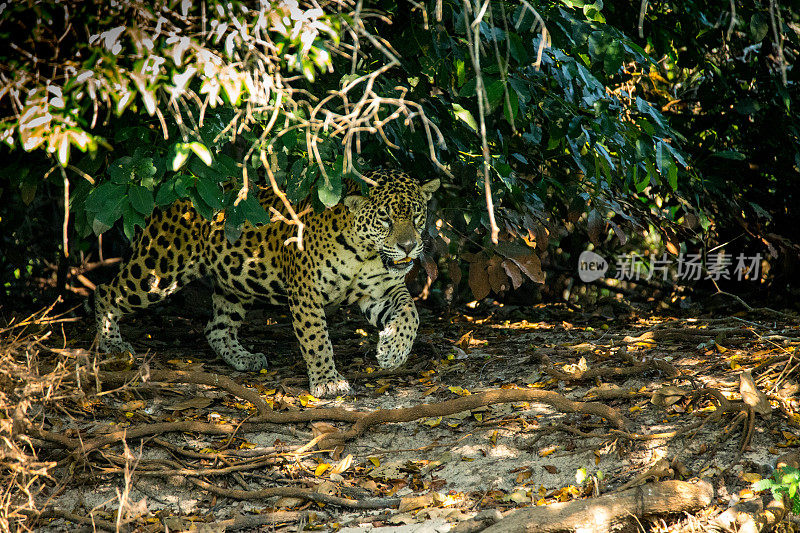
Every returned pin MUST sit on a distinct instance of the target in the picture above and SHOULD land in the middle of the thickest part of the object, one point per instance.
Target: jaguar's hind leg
(222, 332)
(164, 260)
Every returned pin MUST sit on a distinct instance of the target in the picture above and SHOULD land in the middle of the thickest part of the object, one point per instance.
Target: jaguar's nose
(407, 246)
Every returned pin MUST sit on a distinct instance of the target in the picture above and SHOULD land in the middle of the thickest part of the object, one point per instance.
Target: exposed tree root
(610, 372)
(96, 523)
(296, 492)
(362, 420)
(267, 519)
(473, 401)
(180, 376)
(609, 510)
(233, 524)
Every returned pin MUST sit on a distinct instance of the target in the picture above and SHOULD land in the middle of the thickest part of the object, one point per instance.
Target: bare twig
(473, 34)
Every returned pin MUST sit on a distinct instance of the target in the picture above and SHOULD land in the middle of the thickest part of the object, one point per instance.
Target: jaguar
(357, 252)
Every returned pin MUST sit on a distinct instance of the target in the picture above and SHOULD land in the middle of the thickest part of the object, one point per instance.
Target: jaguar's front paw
(393, 347)
(114, 346)
(332, 387)
(244, 361)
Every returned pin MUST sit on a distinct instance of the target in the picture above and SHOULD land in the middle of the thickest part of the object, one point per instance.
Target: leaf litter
(692, 411)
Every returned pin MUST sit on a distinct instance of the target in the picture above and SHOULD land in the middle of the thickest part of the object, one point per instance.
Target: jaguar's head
(392, 218)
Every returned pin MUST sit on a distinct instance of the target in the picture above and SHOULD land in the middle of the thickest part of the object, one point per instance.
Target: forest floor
(499, 408)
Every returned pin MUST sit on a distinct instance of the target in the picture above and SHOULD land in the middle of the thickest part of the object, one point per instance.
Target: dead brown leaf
(595, 226)
(514, 273)
(498, 279)
(455, 272)
(320, 428)
(667, 395)
(751, 395)
(531, 266)
(479, 279)
(411, 503)
(465, 340)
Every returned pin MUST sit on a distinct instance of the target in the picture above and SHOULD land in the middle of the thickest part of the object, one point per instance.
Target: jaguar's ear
(354, 202)
(429, 188)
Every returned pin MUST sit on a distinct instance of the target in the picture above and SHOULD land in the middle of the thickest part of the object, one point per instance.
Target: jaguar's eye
(419, 221)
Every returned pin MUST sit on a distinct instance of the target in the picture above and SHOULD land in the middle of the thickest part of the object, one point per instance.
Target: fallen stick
(609, 510)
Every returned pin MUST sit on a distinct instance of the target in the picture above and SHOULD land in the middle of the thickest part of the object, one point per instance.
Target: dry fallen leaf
(133, 405)
(751, 477)
(523, 476)
(343, 465)
(321, 428)
(751, 395)
(544, 452)
(667, 395)
(464, 340)
(411, 503)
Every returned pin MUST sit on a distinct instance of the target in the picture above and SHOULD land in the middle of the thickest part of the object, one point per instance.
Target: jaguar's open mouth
(397, 264)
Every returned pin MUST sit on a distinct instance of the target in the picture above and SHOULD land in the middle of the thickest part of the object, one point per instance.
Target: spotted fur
(358, 253)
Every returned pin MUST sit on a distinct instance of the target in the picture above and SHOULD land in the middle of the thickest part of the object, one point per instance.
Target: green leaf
(227, 165)
(330, 191)
(730, 154)
(166, 193)
(598, 42)
(253, 210)
(466, 116)
(762, 484)
(641, 184)
(666, 165)
(234, 219)
(759, 26)
(181, 153)
(182, 184)
(112, 211)
(63, 150)
(201, 151)
(121, 170)
(200, 169)
(130, 219)
(199, 204)
(612, 61)
(104, 195)
(494, 93)
(141, 199)
(468, 89)
(210, 192)
(99, 227)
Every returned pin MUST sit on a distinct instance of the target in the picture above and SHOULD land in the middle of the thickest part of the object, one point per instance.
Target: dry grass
(31, 392)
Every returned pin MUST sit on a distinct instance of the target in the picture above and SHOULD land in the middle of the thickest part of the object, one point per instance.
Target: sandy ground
(497, 457)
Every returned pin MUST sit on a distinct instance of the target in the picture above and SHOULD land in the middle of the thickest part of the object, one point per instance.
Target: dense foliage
(547, 119)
